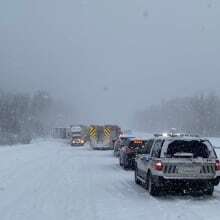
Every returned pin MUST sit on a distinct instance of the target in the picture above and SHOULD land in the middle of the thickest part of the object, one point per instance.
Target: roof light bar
(176, 135)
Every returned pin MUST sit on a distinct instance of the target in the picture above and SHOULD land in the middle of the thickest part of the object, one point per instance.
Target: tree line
(199, 114)
(25, 115)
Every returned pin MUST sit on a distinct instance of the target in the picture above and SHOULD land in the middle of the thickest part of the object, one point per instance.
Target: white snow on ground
(49, 180)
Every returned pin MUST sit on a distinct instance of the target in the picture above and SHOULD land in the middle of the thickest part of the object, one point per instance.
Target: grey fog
(109, 59)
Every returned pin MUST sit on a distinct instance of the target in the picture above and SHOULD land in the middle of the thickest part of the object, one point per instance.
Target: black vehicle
(120, 142)
(129, 151)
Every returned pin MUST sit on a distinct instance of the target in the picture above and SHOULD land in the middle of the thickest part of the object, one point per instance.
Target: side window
(157, 148)
(148, 147)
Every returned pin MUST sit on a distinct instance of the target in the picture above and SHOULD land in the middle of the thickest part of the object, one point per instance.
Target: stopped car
(120, 142)
(129, 151)
(77, 141)
(188, 164)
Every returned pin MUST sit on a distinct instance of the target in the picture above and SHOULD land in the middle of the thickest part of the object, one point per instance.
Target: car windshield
(194, 147)
(77, 137)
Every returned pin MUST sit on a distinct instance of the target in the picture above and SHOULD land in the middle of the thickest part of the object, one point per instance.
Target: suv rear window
(125, 140)
(76, 137)
(194, 147)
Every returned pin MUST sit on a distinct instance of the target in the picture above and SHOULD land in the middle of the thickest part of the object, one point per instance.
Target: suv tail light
(158, 166)
(217, 165)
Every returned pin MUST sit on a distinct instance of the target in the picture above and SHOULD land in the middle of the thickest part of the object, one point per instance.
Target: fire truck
(102, 137)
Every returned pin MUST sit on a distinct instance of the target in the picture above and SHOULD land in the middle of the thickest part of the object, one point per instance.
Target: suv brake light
(217, 165)
(158, 166)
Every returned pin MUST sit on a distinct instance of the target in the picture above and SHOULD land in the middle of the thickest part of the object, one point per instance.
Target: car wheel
(146, 183)
(152, 188)
(209, 189)
(137, 181)
(120, 162)
(125, 164)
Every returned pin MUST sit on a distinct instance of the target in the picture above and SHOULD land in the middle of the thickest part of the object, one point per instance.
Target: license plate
(189, 170)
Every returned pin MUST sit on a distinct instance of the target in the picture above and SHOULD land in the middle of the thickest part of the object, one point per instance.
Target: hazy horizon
(110, 58)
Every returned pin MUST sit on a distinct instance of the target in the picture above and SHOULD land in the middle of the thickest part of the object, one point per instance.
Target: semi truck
(78, 135)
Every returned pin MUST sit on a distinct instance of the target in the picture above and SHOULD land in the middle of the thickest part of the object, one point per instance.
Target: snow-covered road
(49, 180)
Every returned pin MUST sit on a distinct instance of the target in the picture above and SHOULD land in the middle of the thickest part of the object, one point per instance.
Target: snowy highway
(49, 180)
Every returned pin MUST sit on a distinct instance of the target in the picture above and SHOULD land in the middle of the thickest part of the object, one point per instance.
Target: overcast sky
(110, 57)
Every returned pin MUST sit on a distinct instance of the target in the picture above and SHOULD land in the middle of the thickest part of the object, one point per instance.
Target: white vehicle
(178, 162)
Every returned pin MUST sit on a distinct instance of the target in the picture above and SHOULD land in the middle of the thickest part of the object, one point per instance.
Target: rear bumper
(102, 148)
(164, 182)
(77, 145)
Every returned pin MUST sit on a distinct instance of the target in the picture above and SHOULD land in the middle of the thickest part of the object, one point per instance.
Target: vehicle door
(155, 152)
(143, 157)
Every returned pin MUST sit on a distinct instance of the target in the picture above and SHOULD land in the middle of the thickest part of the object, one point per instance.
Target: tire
(152, 188)
(146, 183)
(137, 181)
(114, 152)
(125, 164)
(120, 163)
(209, 189)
